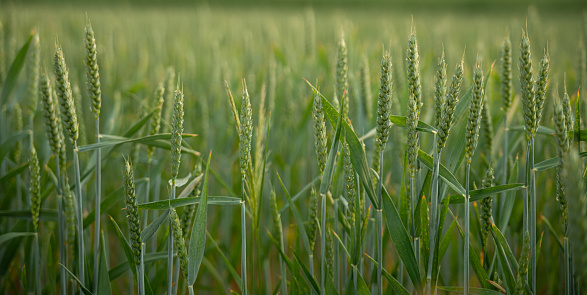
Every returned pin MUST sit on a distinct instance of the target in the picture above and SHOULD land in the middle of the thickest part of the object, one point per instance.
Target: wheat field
(283, 148)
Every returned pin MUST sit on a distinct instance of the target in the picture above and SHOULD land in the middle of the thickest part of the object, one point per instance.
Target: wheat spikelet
(132, 211)
(179, 241)
(320, 140)
(527, 86)
(35, 187)
(448, 110)
(64, 93)
(474, 121)
(414, 103)
(92, 71)
(440, 91)
(342, 79)
(314, 222)
(485, 208)
(246, 132)
(541, 87)
(523, 266)
(176, 133)
(50, 114)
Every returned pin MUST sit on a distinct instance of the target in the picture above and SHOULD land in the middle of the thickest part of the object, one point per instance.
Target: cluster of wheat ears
(403, 250)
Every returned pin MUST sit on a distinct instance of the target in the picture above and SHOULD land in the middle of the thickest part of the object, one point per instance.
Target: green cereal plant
(507, 97)
(35, 193)
(52, 126)
(69, 119)
(472, 139)
(320, 140)
(383, 126)
(577, 194)
(413, 143)
(279, 233)
(134, 223)
(176, 137)
(95, 93)
(440, 91)
(245, 137)
(179, 241)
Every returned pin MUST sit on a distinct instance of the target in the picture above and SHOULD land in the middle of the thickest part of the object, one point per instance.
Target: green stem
(243, 246)
(433, 216)
(141, 272)
(336, 250)
(170, 248)
(532, 217)
(97, 208)
(61, 224)
(80, 224)
(38, 286)
(311, 261)
(567, 266)
(379, 220)
(466, 244)
(323, 244)
(191, 289)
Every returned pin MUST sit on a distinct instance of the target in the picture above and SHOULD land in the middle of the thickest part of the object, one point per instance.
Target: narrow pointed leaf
(480, 194)
(9, 236)
(198, 236)
(10, 142)
(474, 291)
(297, 216)
(211, 200)
(401, 121)
(307, 276)
(444, 173)
(152, 228)
(12, 173)
(103, 278)
(82, 287)
(15, 68)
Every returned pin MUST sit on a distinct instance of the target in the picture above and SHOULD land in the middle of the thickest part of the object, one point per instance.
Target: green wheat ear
(64, 93)
(349, 182)
(414, 102)
(320, 140)
(541, 88)
(179, 241)
(35, 187)
(132, 211)
(246, 131)
(176, 132)
(474, 121)
(507, 89)
(440, 91)
(449, 106)
(527, 86)
(342, 79)
(523, 265)
(485, 208)
(92, 71)
(50, 114)
(314, 223)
